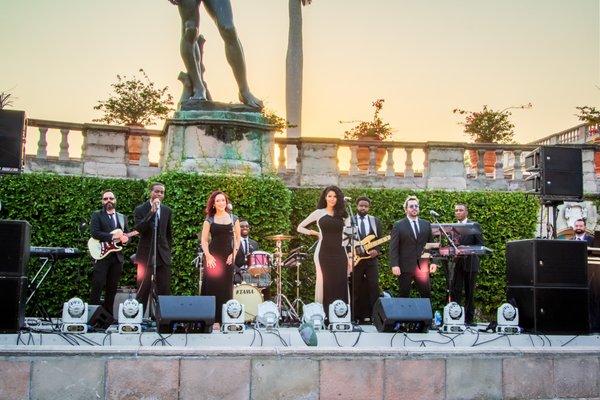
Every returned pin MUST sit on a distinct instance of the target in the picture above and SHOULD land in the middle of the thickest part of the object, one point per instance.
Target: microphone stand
(153, 298)
(451, 263)
(352, 253)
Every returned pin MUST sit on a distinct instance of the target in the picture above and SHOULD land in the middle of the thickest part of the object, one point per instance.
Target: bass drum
(250, 297)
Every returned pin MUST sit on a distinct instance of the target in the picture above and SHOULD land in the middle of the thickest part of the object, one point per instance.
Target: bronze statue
(220, 12)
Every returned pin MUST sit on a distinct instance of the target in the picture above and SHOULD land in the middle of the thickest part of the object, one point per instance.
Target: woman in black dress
(222, 230)
(331, 262)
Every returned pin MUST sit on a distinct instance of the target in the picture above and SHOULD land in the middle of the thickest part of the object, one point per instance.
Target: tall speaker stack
(14, 236)
(547, 280)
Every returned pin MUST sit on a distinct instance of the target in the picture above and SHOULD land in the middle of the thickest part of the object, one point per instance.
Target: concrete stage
(278, 365)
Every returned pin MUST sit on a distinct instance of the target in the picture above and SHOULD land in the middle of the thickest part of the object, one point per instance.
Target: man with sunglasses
(107, 225)
(409, 236)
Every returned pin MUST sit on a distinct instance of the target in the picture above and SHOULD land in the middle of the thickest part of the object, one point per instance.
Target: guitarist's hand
(433, 268)
(373, 253)
(116, 234)
(124, 239)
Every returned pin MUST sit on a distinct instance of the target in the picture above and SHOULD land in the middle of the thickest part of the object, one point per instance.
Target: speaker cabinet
(542, 262)
(552, 310)
(14, 237)
(12, 141)
(12, 299)
(185, 314)
(557, 173)
(392, 314)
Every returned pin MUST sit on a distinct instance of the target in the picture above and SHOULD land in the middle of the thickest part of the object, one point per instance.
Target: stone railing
(579, 134)
(106, 150)
(444, 165)
(117, 151)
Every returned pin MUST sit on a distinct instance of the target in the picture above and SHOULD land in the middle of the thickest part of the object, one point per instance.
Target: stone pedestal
(319, 165)
(446, 169)
(218, 141)
(104, 153)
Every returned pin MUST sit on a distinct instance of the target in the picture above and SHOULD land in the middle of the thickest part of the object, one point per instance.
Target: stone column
(588, 167)
(446, 168)
(319, 164)
(105, 152)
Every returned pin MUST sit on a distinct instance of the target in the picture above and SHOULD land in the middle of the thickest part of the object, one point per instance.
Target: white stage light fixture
(508, 319)
(314, 314)
(339, 317)
(131, 313)
(454, 318)
(233, 317)
(268, 315)
(74, 316)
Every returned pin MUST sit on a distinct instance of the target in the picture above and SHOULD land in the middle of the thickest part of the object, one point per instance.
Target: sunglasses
(413, 206)
(108, 198)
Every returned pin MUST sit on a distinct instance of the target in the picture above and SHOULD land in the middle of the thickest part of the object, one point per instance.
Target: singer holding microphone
(220, 241)
(153, 218)
(331, 262)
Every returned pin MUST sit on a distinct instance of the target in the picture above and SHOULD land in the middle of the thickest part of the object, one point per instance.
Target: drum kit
(257, 278)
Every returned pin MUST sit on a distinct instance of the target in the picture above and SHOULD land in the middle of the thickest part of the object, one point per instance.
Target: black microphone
(434, 214)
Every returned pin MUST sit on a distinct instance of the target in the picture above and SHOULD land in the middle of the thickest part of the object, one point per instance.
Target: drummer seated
(247, 246)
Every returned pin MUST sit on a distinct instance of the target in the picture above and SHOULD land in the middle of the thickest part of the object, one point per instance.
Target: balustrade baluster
(480, 163)
(63, 155)
(517, 169)
(145, 151)
(499, 165)
(353, 170)
(281, 167)
(42, 151)
(409, 172)
(372, 160)
(389, 171)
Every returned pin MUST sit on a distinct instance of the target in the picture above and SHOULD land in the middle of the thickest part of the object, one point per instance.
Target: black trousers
(106, 275)
(421, 278)
(464, 280)
(162, 279)
(364, 287)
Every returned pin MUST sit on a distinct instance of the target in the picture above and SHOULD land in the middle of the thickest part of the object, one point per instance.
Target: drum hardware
(294, 260)
(281, 298)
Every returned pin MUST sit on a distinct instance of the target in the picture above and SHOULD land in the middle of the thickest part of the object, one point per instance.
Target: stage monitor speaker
(543, 262)
(12, 299)
(393, 314)
(552, 310)
(100, 319)
(14, 237)
(12, 141)
(192, 314)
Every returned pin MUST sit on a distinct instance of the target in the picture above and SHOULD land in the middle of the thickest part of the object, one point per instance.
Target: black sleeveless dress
(332, 260)
(218, 281)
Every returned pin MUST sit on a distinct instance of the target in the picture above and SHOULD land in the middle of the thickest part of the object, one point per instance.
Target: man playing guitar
(108, 225)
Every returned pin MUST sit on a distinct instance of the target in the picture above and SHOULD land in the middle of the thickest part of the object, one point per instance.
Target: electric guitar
(367, 244)
(98, 250)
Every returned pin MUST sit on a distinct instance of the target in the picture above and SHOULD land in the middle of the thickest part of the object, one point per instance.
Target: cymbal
(279, 237)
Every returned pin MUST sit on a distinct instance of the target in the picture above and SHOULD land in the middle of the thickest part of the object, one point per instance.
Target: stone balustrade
(579, 134)
(106, 150)
(117, 151)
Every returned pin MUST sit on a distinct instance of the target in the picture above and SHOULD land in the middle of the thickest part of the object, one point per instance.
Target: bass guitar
(367, 244)
(98, 250)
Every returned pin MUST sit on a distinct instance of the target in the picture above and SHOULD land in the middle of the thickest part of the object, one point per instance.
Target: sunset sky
(424, 58)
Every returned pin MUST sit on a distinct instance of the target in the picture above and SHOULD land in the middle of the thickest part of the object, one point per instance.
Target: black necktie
(363, 229)
(416, 229)
(246, 246)
(113, 221)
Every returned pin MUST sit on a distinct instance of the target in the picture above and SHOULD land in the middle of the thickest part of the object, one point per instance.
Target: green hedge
(56, 206)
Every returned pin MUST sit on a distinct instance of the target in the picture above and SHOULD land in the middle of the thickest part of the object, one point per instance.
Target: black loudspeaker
(12, 299)
(14, 238)
(392, 314)
(12, 141)
(552, 310)
(99, 318)
(557, 173)
(542, 262)
(185, 314)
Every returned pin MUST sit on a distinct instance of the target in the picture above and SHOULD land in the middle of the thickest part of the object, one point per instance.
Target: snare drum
(259, 262)
(250, 297)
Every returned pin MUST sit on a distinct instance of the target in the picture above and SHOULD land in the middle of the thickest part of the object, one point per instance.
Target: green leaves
(135, 102)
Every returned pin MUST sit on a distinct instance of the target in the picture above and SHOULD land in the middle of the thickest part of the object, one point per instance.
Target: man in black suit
(364, 280)
(148, 215)
(409, 236)
(580, 233)
(247, 246)
(466, 267)
(107, 225)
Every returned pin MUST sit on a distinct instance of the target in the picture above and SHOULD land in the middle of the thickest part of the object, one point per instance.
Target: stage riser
(273, 374)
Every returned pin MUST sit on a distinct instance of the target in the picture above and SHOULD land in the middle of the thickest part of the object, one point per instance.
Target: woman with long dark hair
(331, 262)
(220, 241)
